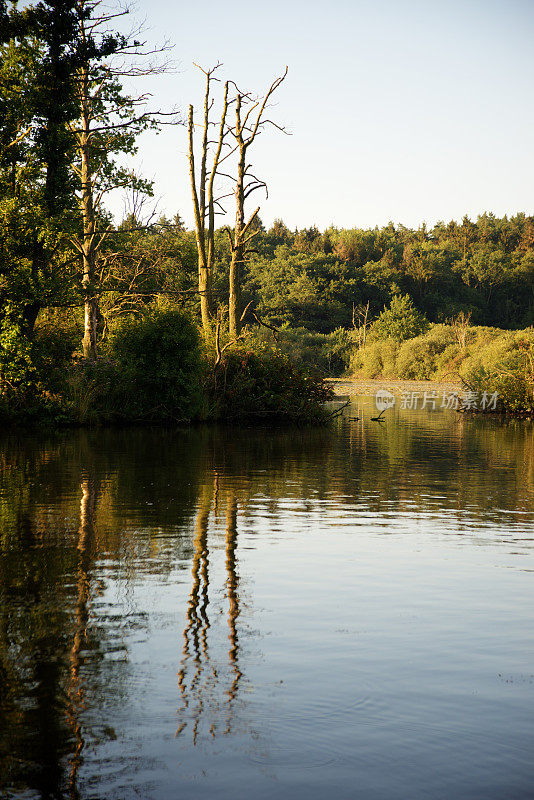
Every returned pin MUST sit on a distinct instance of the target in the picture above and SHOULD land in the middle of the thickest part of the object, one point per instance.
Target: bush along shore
(484, 359)
(152, 368)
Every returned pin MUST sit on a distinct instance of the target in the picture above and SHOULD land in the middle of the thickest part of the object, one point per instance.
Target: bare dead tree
(205, 205)
(249, 122)
(461, 325)
(360, 323)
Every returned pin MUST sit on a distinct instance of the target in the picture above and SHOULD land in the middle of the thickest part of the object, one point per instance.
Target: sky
(400, 111)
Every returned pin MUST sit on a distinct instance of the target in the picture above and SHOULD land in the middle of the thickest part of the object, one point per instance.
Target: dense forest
(74, 281)
(313, 279)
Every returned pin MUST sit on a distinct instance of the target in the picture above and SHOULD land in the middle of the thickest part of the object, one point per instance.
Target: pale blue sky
(399, 110)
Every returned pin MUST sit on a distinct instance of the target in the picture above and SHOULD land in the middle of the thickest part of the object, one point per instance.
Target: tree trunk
(204, 288)
(199, 206)
(88, 217)
(234, 304)
(238, 250)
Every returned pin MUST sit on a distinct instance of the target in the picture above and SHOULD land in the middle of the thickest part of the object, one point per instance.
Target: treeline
(316, 280)
(305, 278)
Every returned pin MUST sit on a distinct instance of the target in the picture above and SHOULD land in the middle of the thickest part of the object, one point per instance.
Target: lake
(272, 613)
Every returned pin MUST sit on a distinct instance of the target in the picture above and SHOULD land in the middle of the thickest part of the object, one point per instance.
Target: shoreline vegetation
(154, 369)
(144, 321)
(479, 359)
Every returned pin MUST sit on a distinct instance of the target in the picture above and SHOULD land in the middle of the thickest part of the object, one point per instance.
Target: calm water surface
(237, 613)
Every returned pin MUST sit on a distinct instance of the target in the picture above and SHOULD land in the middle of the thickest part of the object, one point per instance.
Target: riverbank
(357, 386)
(346, 388)
(154, 369)
(486, 361)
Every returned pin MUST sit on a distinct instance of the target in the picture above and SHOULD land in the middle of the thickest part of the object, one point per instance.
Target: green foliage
(256, 381)
(37, 100)
(17, 371)
(32, 374)
(376, 360)
(156, 367)
(514, 387)
(53, 345)
(153, 370)
(493, 360)
(504, 364)
(312, 280)
(428, 356)
(400, 321)
(434, 355)
(297, 288)
(321, 353)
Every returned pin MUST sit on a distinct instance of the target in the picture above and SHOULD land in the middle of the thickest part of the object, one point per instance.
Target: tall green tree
(38, 56)
(107, 125)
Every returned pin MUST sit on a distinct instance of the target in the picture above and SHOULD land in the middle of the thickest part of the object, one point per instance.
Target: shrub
(424, 357)
(514, 389)
(504, 358)
(320, 353)
(400, 321)
(24, 397)
(258, 381)
(155, 367)
(52, 349)
(376, 360)
(504, 364)
(89, 390)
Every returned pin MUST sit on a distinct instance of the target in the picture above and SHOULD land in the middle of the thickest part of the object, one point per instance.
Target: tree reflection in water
(233, 596)
(75, 692)
(200, 685)
(43, 634)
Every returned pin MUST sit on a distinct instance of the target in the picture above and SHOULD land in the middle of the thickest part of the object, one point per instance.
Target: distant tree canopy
(312, 279)
(315, 279)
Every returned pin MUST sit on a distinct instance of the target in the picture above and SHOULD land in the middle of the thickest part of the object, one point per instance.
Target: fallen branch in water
(338, 411)
(379, 418)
